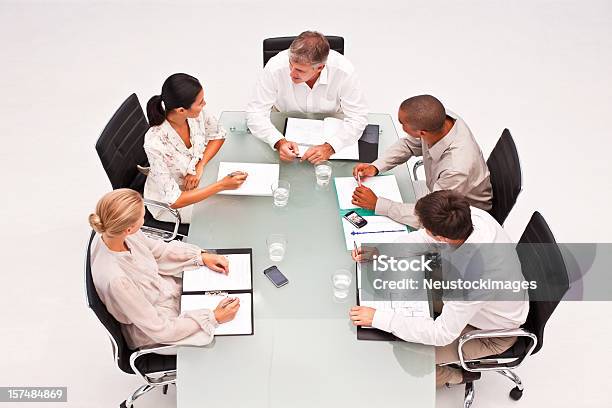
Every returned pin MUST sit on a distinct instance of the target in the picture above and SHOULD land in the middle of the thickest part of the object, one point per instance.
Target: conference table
(304, 351)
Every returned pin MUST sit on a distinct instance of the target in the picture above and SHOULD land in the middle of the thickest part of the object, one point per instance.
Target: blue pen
(374, 232)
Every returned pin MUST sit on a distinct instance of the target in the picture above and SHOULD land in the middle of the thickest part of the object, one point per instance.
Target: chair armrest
(150, 350)
(476, 365)
(415, 168)
(165, 235)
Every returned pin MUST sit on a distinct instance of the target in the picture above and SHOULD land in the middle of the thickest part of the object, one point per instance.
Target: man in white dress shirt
(448, 218)
(308, 78)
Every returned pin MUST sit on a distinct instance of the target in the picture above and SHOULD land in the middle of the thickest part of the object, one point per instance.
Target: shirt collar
(323, 78)
(443, 144)
(175, 139)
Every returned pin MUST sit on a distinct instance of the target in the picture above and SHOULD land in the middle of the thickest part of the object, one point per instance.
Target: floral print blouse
(170, 160)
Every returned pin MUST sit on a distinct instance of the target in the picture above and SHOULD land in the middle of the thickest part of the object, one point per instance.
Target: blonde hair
(116, 211)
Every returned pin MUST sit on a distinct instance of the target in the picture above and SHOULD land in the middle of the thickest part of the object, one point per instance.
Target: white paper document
(312, 132)
(379, 229)
(259, 181)
(204, 279)
(242, 323)
(382, 186)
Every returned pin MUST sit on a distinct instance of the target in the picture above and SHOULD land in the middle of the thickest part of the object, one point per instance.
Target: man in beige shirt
(451, 157)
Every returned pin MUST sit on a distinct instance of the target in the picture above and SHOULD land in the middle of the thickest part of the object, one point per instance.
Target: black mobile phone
(355, 219)
(276, 276)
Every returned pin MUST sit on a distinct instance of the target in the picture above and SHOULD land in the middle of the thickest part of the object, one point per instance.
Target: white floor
(541, 68)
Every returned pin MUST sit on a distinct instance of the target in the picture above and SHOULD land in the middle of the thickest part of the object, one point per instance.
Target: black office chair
(155, 369)
(272, 46)
(541, 261)
(506, 178)
(120, 148)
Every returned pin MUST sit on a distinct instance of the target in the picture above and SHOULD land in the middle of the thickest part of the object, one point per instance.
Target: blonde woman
(138, 278)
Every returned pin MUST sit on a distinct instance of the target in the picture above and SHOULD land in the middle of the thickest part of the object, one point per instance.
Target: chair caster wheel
(516, 394)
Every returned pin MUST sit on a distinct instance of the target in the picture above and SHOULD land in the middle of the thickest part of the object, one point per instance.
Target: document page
(204, 279)
(378, 229)
(382, 186)
(259, 181)
(242, 323)
(312, 132)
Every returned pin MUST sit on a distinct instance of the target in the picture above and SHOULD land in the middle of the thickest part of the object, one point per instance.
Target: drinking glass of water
(280, 193)
(341, 282)
(277, 244)
(323, 172)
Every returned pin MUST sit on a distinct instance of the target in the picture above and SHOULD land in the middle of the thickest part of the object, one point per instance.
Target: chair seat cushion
(152, 363)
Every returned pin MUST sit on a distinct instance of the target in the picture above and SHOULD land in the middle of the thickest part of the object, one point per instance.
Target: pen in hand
(359, 178)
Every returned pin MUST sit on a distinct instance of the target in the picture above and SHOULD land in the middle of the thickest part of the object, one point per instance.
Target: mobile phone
(355, 219)
(276, 276)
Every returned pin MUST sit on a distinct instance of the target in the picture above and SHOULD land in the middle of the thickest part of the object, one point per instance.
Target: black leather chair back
(272, 46)
(541, 261)
(120, 146)
(506, 178)
(108, 321)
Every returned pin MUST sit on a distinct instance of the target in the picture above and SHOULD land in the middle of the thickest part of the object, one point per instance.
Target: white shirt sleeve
(355, 109)
(258, 109)
(439, 332)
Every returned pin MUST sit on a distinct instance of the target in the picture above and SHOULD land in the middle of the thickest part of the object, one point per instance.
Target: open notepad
(204, 288)
(259, 181)
(312, 132)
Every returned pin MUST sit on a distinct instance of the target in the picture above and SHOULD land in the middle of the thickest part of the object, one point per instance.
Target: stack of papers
(312, 132)
(204, 279)
(242, 322)
(258, 183)
(378, 230)
(382, 186)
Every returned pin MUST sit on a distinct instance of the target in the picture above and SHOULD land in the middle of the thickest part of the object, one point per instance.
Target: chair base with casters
(503, 363)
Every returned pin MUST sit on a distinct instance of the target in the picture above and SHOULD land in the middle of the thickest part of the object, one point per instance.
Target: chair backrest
(541, 261)
(120, 146)
(112, 326)
(272, 46)
(506, 178)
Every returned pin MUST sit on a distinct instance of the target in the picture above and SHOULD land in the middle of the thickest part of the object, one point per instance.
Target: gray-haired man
(308, 77)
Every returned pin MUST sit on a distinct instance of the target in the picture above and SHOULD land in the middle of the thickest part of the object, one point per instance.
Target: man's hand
(364, 254)
(364, 170)
(192, 181)
(287, 150)
(364, 198)
(316, 154)
(361, 315)
(217, 263)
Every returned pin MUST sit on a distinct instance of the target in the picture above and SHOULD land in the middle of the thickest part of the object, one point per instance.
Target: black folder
(216, 291)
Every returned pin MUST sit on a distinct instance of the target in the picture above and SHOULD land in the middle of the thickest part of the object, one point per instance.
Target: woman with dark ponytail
(182, 139)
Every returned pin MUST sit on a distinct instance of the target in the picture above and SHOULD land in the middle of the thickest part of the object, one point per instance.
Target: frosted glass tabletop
(304, 352)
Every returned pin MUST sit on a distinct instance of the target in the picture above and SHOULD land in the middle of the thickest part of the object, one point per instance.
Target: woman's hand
(217, 263)
(233, 181)
(192, 181)
(226, 310)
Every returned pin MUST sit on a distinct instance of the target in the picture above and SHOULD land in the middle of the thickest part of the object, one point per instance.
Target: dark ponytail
(178, 91)
(155, 111)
